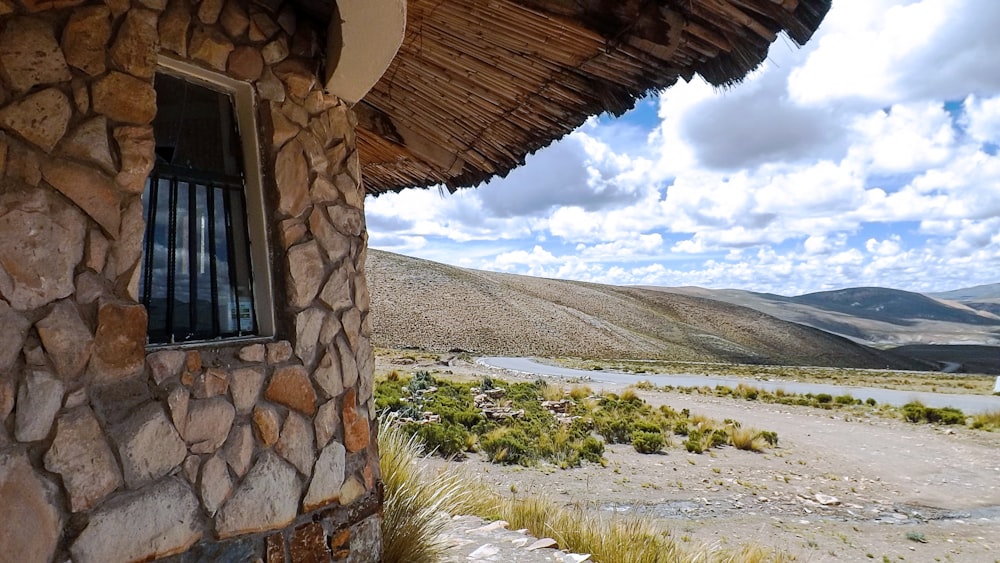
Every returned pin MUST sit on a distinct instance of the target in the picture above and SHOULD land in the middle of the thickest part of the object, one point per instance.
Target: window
(204, 268)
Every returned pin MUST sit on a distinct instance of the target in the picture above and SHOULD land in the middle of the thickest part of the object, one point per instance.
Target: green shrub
(823, 398)
(681, 428)
(844, 400)
(914, 411)
(615, 429)
(592, 449)
(646, 425)
(508, 446)
(871, 402)
(945, 415)
(718, 438)
(444, 439)
(770, 437)
(694, 443)
(647, 442)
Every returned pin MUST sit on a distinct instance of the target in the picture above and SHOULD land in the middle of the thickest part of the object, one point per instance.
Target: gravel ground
(836, 489)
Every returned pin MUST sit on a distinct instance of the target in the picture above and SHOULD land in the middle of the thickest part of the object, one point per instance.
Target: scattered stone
(296, 443)
(266, 421)
(542, 544)
(89, 142)
(328, 477)
(30, 54)
(135, 46)
(245, 385)
(40, 118)
(125, 529)
(290, 387)
(208, 424)
(216, 483)
(120, 342)
(238, 450)
(38, 400)
(148, 446)
(66, 339)
(85, 38)
(351, 490)
(165, 364)
(125, 98)
(266, 500)
(31, 526)
(484, 551)
(326, 422)
(91, 190)
(826, 500)
(81, 454)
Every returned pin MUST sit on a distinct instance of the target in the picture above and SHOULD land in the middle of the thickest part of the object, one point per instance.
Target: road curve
(970, 404)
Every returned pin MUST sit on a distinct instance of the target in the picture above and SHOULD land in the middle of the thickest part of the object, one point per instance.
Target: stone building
(185, 355)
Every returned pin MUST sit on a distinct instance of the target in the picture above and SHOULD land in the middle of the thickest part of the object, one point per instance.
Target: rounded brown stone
(245, 63)
(85, 39)
(120, 342)
(357, 431)
(134, 49)
(125, 98)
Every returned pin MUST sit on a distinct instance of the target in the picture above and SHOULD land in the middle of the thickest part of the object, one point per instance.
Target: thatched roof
(479, 84)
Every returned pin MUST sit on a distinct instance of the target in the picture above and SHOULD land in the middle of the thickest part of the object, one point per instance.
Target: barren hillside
(438, 307)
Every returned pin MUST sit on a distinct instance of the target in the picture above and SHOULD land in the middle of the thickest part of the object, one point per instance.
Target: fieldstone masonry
(259, 450)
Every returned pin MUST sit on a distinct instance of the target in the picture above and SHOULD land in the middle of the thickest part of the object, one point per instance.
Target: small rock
(30, 54)
(266, 421)
(290, 387)
(179, 400)
(326, 422)
(484, 551)
(279, 352)
(328, 477)
(216, 483)
(41, 118)
(357, 431)
(245, 385)
(351, 490)
(66, 338)
(210, 383)
(253, 353)
(542, 544)
(296, 443)
(120, 342)
(31, 524)
(238, 449)
(826, 500)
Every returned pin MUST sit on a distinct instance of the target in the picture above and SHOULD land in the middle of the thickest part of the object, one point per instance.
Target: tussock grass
(418, 501)
(986, 421)
(748, 439)
(414, 511)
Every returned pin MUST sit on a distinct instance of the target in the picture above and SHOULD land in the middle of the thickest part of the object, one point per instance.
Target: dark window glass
(196, 281)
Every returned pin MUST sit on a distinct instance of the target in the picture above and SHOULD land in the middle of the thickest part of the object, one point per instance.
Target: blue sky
(869, 157)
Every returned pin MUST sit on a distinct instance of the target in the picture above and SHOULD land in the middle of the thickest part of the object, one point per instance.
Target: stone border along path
(471, 538)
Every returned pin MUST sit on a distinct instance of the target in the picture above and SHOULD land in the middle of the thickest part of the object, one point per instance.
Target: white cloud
(867, 158)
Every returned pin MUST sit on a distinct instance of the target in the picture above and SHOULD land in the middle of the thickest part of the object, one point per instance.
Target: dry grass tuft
(986, 421)
(579, 392)
(748, 439)
(416, 502)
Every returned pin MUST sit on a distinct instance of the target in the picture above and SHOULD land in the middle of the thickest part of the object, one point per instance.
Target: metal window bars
(196, 278)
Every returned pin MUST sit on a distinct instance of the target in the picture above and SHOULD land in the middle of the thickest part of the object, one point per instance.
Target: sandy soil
(887, 479)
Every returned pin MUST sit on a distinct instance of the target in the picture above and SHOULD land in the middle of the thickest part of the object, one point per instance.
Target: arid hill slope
(439, 307)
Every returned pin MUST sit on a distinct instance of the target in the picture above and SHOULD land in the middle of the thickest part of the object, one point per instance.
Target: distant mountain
(439, 307)
(871, 315)
(987, 292)
(981, 297)
(893, 306)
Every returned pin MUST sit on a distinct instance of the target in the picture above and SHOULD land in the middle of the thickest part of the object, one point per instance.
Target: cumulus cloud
(870, 157)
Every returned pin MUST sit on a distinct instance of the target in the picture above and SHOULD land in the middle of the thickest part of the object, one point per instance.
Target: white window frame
(245, 106)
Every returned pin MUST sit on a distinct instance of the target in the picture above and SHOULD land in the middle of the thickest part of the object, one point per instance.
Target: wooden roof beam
(381, 124)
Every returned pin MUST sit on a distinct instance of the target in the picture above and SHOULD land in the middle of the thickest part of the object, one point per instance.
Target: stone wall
(262, 450)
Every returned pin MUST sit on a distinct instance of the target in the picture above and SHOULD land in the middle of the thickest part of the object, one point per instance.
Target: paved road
(970, 404)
